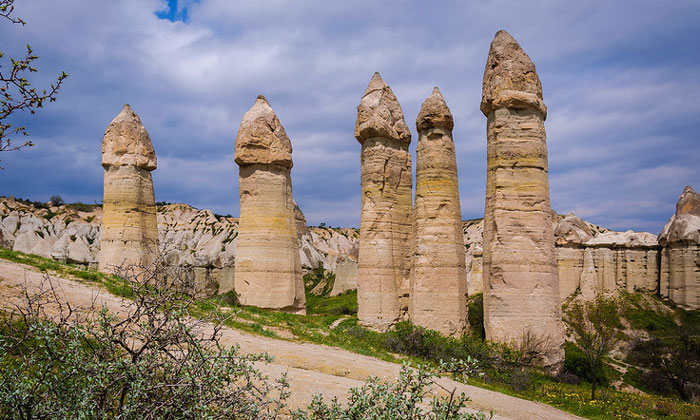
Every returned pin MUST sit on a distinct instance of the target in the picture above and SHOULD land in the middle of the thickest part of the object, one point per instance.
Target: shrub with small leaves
(403, 400)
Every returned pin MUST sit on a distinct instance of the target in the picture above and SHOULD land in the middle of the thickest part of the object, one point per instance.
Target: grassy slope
(332, 321)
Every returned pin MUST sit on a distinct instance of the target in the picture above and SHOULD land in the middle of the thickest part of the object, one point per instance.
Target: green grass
(411, 343)
(641, 315)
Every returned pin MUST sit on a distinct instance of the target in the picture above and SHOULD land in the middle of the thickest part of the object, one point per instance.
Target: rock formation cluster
(408, 260)
(680, 256)
(386, 220)
(438, 294)
(268, 268)
(129, 234)
(521, 283)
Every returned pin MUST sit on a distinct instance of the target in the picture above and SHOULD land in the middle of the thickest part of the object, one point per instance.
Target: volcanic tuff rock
(129, 226)
(386, 220)
(621, 260)
(268, 267)
(680, 256)
(438, 296)
(521, 283)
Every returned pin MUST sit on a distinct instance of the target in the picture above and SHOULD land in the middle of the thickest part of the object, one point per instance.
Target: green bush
(391, 401)
(152, 361)
(575, 363)
(476, 315)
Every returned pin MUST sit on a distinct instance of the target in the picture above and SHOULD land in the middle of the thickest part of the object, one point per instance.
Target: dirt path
(311, 368)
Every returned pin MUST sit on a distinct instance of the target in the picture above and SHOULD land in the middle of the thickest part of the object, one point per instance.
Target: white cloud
(622, 93)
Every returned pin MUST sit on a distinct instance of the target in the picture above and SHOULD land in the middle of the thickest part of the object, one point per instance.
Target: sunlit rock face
(129, 234)
(438, 296)
(268, 266)
(386, 220)
(680, 255)
(521, 282)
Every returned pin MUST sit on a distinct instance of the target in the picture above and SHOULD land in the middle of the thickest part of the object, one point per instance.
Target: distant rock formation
(521, 283)
(438, 295)
(129, 226)
(268, 267)
(386, 220)
(680, 256)
(345, 276)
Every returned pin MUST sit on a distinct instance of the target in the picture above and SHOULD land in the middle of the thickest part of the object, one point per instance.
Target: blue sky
(621, 80)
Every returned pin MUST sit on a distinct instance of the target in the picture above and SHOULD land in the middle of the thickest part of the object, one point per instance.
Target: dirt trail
(311, 368)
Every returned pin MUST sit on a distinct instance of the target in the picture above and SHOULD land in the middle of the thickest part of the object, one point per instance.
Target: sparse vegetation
(328, 323)
(594, 326)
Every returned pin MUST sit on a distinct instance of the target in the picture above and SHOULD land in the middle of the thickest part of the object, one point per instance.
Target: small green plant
(391, 401)
(594, 325)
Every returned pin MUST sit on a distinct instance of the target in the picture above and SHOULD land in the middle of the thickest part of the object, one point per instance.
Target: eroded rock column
(438, 296)
(385, 226)
(129, 234)
(268, 268)
(680, 255)
(521, 284)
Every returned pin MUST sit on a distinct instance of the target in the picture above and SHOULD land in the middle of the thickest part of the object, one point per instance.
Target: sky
(621, 80)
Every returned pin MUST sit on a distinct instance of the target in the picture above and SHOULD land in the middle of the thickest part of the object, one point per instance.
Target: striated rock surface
(129, 235)
(345, 276)
(268, 266)
(521, 283)
(680, 255)
(438, 295)
(386, 220)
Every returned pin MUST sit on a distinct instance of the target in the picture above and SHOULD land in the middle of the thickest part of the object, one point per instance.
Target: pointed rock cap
(379, 114)
(126, 142)
(261, 137)
(510, 78)
(684, 226)
(435, 113)
(689, 202)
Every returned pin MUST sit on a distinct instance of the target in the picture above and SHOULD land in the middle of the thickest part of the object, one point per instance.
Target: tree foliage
(594, 327)
(16, 91)
(150, 361)
(671, 363)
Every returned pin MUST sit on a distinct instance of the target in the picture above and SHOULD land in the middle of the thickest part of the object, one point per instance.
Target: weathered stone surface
(345, 276)
(268, 267)
(521, 283)
(262, 139)
(680, 256)
(589, 279)
(126, 142)
(129, 234)
(438, 296)
(386, 220)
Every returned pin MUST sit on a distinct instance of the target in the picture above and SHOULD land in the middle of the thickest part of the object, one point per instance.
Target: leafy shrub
(401, 400)
(576, 364)
(56, 200)
(152, 361)
(476, 315)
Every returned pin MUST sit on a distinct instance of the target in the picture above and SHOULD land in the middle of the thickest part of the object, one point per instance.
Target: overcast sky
(621, 80)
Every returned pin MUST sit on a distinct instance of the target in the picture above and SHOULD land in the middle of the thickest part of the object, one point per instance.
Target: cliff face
(188, 237)
(206, 245)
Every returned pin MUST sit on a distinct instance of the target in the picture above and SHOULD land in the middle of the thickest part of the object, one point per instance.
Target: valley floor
(311, 368)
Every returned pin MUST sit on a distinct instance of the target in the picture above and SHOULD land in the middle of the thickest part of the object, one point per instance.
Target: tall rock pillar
(521, 284)
(680, 255)
(385, 227)
(129, 234)
(438, 297)
(268, 267)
